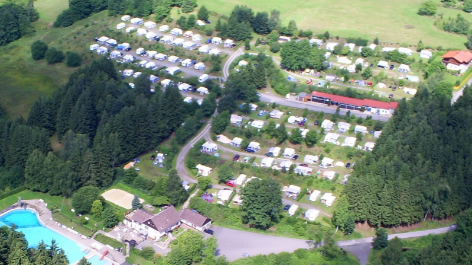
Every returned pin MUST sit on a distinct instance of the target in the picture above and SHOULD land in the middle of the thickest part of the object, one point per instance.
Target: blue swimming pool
(28, 223)
(95, 260)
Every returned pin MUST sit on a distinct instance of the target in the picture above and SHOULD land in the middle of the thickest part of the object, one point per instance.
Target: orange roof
(129, 165)
(460, 56)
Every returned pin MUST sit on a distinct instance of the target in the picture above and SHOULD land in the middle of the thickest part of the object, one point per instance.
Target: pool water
(28, 223)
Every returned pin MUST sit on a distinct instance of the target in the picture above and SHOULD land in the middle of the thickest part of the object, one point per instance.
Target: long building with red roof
(375, 106)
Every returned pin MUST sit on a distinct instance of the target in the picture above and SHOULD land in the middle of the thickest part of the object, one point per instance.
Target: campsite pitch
(120, 198)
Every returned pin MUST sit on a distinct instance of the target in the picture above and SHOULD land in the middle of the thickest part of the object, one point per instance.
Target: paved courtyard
(234, 243)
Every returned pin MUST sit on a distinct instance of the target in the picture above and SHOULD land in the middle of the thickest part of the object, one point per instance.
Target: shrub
(38, 49)
(54, 56)
(73, 59)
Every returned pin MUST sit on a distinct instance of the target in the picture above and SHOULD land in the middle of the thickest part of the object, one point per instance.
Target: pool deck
(45, 217)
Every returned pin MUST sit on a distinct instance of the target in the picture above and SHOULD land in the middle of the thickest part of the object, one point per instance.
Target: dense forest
(420, 167)
(100, 121)
(15, 21)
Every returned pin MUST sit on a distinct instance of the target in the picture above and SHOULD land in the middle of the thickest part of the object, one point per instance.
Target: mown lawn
(108, 241)
(352, 18)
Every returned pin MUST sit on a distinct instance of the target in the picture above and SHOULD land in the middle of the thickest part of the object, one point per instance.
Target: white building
(236, 142)
(360, 128)
(167, 39)
(153, 226)
(236, 119)
(310, 159)
(176, 32)
(166, 82)
(241, 179)
(195, 220)
(121, 26)
(204, 49)
(257, 124)
(203, 170)
(267, 162)
(150, 24)
(228, 43)
(224, 195)
(199, 66)
(173, 59)
(403, 68)
(293, 209)
(173, 70)
(349, 141)
(197, 37)
(137, 21)
(141, 32)
(276, 114)
(160, 57)
(208, 147)
(343, 126)
(328, 199)
(327, 162)
(125, 18)
(425, 54)
(163, 28)
(285, 164)
(330, 46)
(351, 46)
(331, 138)
(254, 146)
(216, 40)
(312, 214)
(314, 195)
(275, 151)
(327, 125)
(406, 51)
(369, 146)
(288, 152)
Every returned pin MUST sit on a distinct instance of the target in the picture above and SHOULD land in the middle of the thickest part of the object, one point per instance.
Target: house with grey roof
(194, 219)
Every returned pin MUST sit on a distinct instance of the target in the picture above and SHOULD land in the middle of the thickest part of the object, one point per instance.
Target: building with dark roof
(375, 106)
(153, 226)
(194, 219)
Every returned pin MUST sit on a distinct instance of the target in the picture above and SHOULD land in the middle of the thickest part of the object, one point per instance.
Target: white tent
(403, 68)
(406, 51)
(151, 35)
(310, 159)
(330, 45)
(111, 42)
(388, 49)
(130, 29)
(167, 39)
(197, 37)
(173, 70)
(203, 90)
(199, 66)
(173, 59)
(137, 21)
(160, 56)
(102, 39)
(176, 32)
(204, 49)
(150, 24)
(151, 65)
(178, 42)
(188, 34)
(215, 52)
(151, 54)
(188, 45)
(216, 40)
(141, 32)
(120, 26)
(128, 72)
(200, 23)
(125, 18)
(312, 214)
(163, 28)
(314, 195)
(425, 54)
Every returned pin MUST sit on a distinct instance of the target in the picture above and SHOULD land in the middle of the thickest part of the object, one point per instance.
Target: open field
(119, 197)
(353, 18)
(50, 9)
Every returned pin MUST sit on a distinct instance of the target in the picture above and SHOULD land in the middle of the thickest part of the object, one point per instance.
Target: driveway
(234, 243)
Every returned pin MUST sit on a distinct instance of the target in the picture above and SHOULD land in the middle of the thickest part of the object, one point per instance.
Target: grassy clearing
(50, 9)
(351, 18)
(109, 241)
(59, 217)
(134, 258)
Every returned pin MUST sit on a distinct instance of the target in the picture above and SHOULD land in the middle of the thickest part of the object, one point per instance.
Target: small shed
(203, 170)
(236, 119)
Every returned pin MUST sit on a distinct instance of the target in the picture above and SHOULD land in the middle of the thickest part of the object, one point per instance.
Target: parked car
(348, 165)
(270, 154)
(236, 157)
(303, 165)
(295, 157)
(287, 207)
(371, 65)
(394, 88)
(390, 96)
(392, 67)
(207, 21)
(250, 151)
(209, 231)
(231, 183)
(208, 41)
(316, 122)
